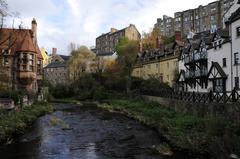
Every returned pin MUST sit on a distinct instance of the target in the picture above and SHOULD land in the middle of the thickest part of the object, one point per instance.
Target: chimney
(54, 52)
(158, 42)
(113, 30)
(178, 35)
(34, 30)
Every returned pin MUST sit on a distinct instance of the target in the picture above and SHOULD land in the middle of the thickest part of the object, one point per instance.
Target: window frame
(224, 61)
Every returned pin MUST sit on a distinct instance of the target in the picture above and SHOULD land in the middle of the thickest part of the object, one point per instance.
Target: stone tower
(34, 30)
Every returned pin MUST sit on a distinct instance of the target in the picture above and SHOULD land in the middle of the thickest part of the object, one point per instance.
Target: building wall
(107, 42)
(168, 70)
(132, 33)
(198, 19)
(56, 75)
(235, 49)
(164, 70)
(217, 55)
(45, 57)
(137, 72)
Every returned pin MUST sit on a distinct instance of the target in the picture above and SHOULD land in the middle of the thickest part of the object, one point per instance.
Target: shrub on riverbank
(217, 137)
(15, 122)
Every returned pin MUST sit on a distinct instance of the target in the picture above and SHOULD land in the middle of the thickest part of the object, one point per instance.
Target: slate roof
(64, 57)
(105, 53)
(235, 16)
(56, 64)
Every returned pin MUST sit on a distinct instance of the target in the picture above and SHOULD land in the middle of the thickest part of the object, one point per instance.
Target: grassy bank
(15, 123)
(216, 137)
(71, 100)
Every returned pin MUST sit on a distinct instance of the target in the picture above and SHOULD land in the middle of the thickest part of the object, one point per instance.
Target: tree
(149, 40)
(79, 62)
(127, 52)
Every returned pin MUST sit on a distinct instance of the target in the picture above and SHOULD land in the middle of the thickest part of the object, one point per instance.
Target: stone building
(56, 72)
(166, 25)
(21, 65)
(107, 42)
(46, 57)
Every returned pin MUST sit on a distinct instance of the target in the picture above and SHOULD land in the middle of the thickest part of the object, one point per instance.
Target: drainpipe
(231, 57)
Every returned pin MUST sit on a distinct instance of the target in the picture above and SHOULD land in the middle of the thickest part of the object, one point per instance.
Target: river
(86, 132)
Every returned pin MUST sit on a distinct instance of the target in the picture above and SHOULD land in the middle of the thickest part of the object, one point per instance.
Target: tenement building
(195, 20)
(107, 42)
(20, 59)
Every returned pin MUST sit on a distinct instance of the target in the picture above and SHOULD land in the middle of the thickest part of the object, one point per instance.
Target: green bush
(16, 122)
(85, 95)
(154, 87)
(99, 93)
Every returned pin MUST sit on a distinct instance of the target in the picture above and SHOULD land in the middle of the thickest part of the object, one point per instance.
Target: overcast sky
(81, 21)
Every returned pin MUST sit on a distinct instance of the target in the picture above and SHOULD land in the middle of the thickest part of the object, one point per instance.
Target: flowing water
(86, 132)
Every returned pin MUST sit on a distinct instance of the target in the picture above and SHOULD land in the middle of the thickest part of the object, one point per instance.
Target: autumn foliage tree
(79, 62)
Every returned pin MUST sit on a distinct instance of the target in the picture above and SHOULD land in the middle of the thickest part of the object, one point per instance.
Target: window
(5, 61)
(215, 45)
(238, 31)
(236, 58)
(167, 65)
(237, 82)
(212, 18)
(157, 65)
(220, 43)
(218, 85)
(161, 77)
(224, 62)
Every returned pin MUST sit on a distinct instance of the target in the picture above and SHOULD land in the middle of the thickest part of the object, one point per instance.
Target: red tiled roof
(18, 40)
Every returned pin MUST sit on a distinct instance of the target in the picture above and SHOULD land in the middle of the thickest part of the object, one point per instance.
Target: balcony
(26, 77)
(192, 58)
(190, 74)
(201, 73)
(197, 74)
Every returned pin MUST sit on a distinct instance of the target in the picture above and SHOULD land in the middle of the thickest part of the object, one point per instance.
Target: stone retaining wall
(231, 111)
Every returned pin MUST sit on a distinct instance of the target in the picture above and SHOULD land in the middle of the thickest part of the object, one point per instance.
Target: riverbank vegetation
(216, 137)
(14, 123)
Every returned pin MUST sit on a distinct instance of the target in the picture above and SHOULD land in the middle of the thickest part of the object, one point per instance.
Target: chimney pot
(54, 52)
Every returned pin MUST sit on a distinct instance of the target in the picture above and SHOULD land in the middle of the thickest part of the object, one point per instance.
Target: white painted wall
(217, 56)
(235, 48)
